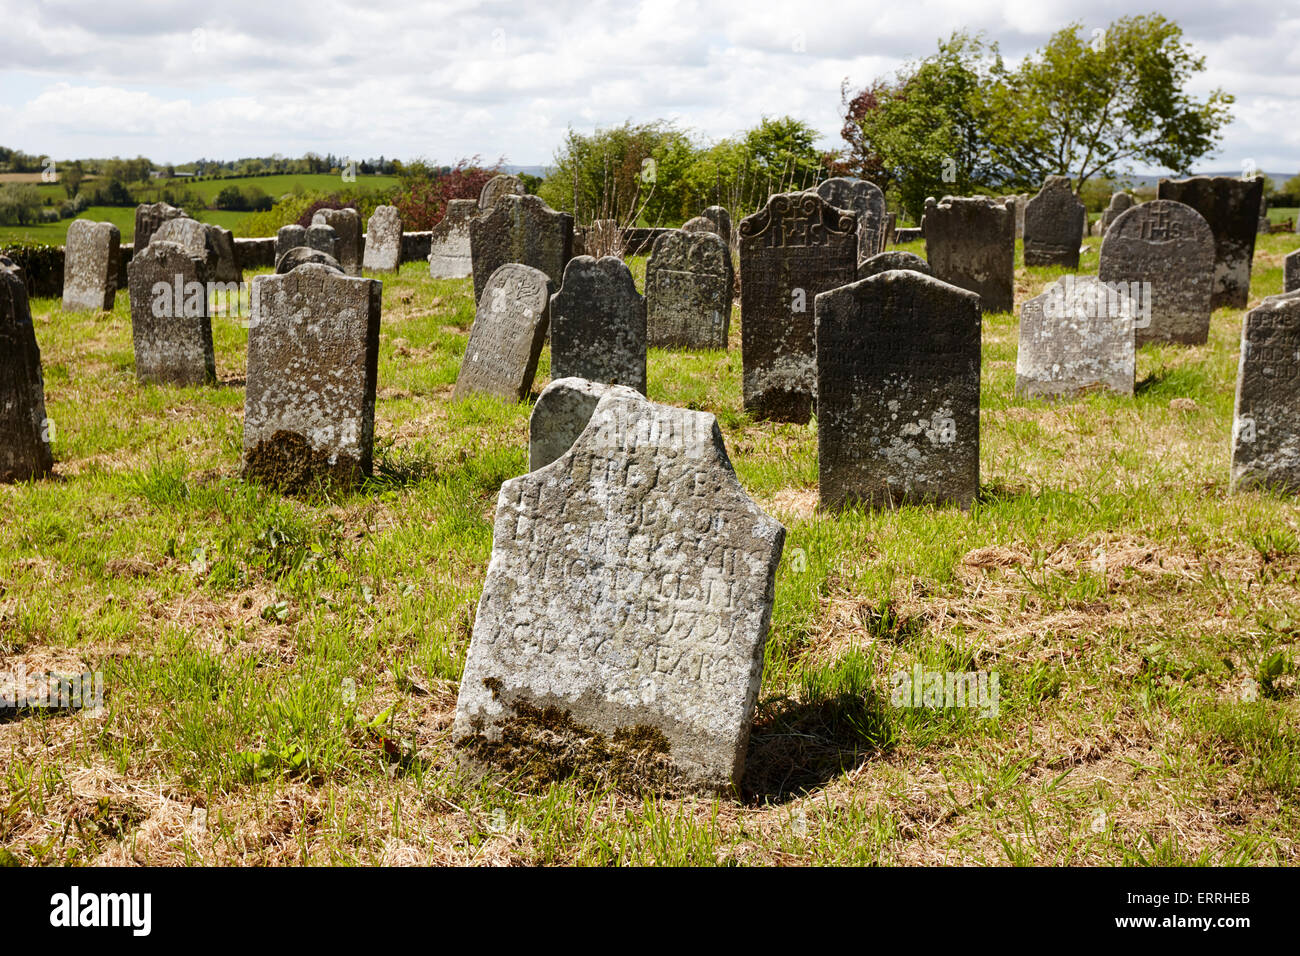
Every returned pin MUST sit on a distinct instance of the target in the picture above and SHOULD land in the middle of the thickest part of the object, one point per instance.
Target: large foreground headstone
(507, 336)
(1266, 423)
(24, 429)
(383, 240)
(449, 251)
(970, 242)
(796, 247)
(1077, 336)
(898, 392)
(149, 217)
(90, 265)
(170, 324)
(498, 186)
(867, 203)
(1231, 206)
(1163, 252)
(889, 261)
(1055, 221)
(559, 416)
(621, 630)
(347, 226)
(1291, 272)
(689, 282)
(520, 229)
(313, 359)
(598, 323)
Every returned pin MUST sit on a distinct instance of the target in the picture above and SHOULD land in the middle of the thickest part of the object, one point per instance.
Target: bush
(424, 192)
(20, 204)
(42, 266)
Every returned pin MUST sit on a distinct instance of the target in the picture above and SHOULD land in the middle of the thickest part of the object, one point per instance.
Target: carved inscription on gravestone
(170, 326)
(689, 283)
(1077, 336)
(1266, 422)
(598, 323)
(507, 336)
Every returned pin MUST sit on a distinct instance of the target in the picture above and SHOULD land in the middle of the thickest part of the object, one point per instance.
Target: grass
(280, 674)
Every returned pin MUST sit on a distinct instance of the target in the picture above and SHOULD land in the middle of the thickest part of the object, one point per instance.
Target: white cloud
(446, 80)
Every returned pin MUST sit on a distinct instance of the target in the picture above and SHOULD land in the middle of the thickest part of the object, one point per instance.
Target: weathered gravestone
(1120, 203)
(90, 265)
(24, 429)
(149, 217)
(347, 226)
(794, 248)
(170, 324)
(621, 630)
(699, 224)
(1055, 221)
(898, 392)
(1266, 422)
(1231, 207)
(289, 237)
(383, 240)
(520, 229)
(559, 416)
(214, 245)
(449, 251)
(970, 242)
(1291, 272)
(324, 239)
(1163, 252)
(867, 203)
(507, 336)
(301, 255)
(689, 282)
(598, 324)
(313, 358)
(1077, 336)
(498, 186)
(890, 261)
(721, 220)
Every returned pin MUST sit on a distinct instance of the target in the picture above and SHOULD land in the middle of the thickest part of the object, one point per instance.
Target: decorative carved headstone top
(866, 201)
(621, 629)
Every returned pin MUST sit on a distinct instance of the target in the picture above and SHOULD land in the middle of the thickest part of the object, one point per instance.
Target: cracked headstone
(559, 416)
(621, 629)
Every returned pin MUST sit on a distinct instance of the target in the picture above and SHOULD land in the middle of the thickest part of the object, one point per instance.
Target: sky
(445, 81)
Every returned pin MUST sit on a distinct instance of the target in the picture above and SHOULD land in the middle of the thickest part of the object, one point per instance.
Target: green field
(281, 673)
(124, 217)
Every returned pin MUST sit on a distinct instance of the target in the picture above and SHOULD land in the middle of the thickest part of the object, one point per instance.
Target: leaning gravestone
(1266, 422)
(289, 237)
(1077, 336)
(559, 416)
(24, 429)
(898, 392)
(1231, 207)
(796, 247)
(721, 220)
(347, 226)
(1120, 203)
(449, 251)
(621, 630)
(498, 186)
(383, 240)
(313, 358)
(598, 324)
(520, 229)
(689, 282)
(867, 202)
(324, 239)
(890, 261)
(507, 336)
(301, 256)
(170, 325)
(1055, 221)
(1162, 253)
(1291, 272)
(90, 266)
(970, 242)
(149, 217)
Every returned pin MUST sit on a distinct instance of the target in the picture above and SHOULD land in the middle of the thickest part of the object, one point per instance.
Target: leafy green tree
(20, 204)
(71, 176)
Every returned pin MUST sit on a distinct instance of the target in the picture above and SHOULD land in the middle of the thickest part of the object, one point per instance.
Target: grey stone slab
(559, 416)
(90, 266)
(25, 431)
(721, 220)
(383, 240)
(1291, 272)
(170, 323)
(1266, 421)
(1055, 224)
(621, 630)
(891, 261)
(149, 217)
(689, 288)
(450, 256)
(301, 256)
(1076, 337)
(866, 201)
(346, 224)
(793, 249)
(520, 229)
(498, 186)
(970, 243)
(289, 237)
(1119, 203)
(598, 323)
(1231, 207)
(507, 336)
(898, 384)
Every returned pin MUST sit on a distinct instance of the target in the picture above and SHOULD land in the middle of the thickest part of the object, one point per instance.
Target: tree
(1118, 98)
(72, 176)
(20, 204)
